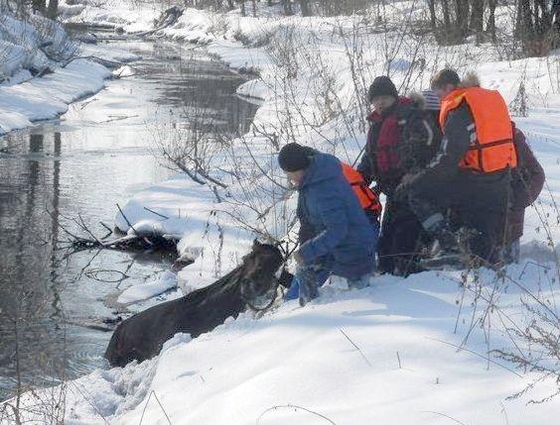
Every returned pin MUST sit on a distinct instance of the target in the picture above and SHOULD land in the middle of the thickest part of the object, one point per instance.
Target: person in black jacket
(401, 139)
(470, 174)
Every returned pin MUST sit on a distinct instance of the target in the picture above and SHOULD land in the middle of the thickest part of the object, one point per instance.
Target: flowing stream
(98, 154)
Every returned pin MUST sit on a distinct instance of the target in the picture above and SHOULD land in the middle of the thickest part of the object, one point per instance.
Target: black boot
(450, 249)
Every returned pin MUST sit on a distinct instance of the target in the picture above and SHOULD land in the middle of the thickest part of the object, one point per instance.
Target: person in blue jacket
(339, 239)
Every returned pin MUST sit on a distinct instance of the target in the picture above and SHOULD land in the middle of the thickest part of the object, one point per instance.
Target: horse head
(260, 266)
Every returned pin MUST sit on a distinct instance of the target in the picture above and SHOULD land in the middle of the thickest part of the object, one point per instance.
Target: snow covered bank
(48, 97)
(313, 73)
(41, 72)
(386, 354)
(30, 45)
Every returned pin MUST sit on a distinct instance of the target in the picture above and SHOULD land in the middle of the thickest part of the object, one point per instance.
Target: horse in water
(142, 336)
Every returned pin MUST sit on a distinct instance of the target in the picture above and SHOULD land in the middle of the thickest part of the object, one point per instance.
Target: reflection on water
(99, 154)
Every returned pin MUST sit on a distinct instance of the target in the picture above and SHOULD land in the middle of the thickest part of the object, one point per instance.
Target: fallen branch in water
(86, 239)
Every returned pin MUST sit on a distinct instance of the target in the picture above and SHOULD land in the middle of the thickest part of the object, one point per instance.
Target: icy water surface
(99, 154)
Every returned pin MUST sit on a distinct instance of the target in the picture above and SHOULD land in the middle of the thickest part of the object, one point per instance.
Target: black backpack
(420, 139)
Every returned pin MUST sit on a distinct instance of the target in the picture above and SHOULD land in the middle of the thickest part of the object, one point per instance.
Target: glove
(298, 258)
(406, 182)
(407, 179)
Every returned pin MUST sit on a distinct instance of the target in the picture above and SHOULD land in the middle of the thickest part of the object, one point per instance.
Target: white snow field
(420, 350)
(407, 368)
(24, 98)
(48, 97)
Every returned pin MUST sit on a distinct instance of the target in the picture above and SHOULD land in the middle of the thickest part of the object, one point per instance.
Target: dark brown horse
(141, 336)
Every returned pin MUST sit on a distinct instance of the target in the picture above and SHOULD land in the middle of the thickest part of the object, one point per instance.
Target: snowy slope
(38, 44)
(301, 357)
(297, 102)
(48, 97)
(407, 369)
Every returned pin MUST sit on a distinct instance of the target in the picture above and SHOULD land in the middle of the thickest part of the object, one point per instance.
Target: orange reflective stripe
(493, 149)
(367, 197)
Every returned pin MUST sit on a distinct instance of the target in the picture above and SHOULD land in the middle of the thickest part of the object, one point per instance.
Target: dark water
(99, 154)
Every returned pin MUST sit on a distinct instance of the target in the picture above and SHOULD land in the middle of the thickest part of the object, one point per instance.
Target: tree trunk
(243, 12)
(491, 25)
(288, 7)
(39, 5)
(433, 19)
(462, 14)
(446, 20)
(544, 17)
(254, 4)
(555, 11)
(477, 13)
(524, 24)
(305, 10)
(52, 11)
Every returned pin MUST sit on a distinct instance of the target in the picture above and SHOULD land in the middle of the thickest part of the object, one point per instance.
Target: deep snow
(407, 368)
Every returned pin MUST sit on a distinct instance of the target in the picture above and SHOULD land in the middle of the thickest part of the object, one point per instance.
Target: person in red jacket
(527, 182)
(402, 139)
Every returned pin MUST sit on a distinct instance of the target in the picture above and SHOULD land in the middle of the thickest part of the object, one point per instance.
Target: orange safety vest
(367, 197)
(493, 148)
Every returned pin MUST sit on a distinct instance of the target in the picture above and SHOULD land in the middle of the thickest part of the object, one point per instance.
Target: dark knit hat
(444, 77)
(382, 86)
(294, 157)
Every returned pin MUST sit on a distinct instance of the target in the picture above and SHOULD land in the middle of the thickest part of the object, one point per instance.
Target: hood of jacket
(470, 80)
(323, 167)
(401, 102)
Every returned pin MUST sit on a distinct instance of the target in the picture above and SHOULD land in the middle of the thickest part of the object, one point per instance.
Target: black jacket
(400, 140)
(488, 191)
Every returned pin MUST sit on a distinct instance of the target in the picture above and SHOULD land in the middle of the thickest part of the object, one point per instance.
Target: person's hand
(401, 191)
(407, 179)
(298, 258)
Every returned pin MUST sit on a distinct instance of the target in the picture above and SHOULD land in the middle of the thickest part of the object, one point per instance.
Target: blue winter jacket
(342, 232)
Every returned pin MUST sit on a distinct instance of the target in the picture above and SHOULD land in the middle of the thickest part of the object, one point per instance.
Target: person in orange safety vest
(469, 176)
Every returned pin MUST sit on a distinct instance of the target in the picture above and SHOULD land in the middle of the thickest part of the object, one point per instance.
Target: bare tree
(52, 10)
(535, 26)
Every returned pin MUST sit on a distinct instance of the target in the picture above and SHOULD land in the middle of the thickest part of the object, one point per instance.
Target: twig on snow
(476, 354)
(444, 415)
(296, 408)
(357, 348)
(156, 213)
(153, 393)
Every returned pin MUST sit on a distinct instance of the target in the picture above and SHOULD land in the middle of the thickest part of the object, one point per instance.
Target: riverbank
(48, 97)
(313, 73)
(43, 71)
(312, 76)
(98, 154)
